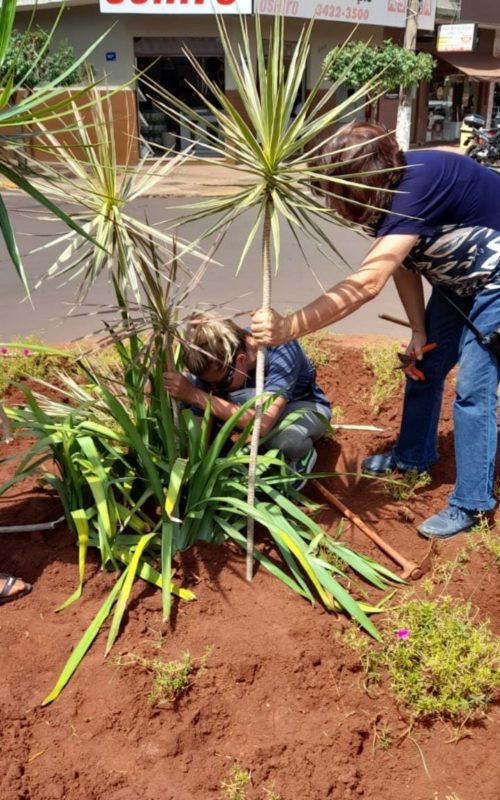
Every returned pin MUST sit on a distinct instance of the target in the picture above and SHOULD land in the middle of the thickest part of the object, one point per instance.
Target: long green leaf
(86, 640)
(28, 188)
(82, 528)
(167, 535)
(125, 590)
(11, 245)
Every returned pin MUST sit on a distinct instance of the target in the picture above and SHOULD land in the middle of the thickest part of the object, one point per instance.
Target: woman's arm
(383, 259)
(411, 293)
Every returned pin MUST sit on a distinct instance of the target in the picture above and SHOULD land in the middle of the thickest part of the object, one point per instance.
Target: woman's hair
(360, 147)
(211, 343)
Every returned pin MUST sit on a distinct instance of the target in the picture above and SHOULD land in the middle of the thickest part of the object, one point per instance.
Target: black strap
(468, 324)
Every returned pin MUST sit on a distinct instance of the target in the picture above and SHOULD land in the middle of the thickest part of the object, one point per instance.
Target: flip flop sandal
(9, 582)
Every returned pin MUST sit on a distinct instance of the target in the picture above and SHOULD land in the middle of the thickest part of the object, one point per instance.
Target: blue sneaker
(378, 464)
(448, 522)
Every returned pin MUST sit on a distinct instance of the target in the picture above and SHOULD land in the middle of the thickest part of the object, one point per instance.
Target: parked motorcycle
(483, 145)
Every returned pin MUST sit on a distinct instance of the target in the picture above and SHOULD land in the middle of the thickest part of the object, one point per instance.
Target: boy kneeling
(221, 358)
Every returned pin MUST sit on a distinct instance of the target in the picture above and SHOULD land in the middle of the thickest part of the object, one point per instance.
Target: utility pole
(403, 125)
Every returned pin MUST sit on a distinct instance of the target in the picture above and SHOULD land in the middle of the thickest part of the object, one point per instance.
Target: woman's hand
(270, 328)
(417, 341)
(178, 387)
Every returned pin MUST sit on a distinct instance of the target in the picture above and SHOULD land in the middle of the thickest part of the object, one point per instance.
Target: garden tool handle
(397, 320)
(410, 568)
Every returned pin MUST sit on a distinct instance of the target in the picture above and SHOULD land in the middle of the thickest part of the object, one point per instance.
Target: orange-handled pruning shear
(409, 362)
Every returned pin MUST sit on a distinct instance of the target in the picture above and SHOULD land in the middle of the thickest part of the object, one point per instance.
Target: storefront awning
(476, 66)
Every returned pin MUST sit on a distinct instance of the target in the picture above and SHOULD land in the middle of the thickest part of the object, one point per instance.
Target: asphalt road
(294, 284)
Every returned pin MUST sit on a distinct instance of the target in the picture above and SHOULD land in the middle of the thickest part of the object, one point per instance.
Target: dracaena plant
(18, 110)
(85, 172)
(21, 109)
(262, 137)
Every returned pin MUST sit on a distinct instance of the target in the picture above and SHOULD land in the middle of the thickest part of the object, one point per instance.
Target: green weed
(481, 538)
(170, 679)
(404, 487)
(452, 796)
(235, 787)
(441, 662)
(446, 570)
(490, 541)
(270, 793)
(382, 737)
(382, 361)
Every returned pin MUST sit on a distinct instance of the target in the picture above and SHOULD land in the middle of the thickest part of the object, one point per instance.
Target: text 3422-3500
(337, 12)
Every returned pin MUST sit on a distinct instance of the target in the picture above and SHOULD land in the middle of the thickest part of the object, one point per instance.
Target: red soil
(281, 693)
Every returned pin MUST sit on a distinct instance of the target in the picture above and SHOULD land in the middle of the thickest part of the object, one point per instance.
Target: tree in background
(21, 61)
(394, 65)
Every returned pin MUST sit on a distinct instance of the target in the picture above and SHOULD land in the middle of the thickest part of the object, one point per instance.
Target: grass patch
(17, 364)
(480, 539)
(234, 787)
(441, 661)
(317, 348)
(170, 679)
(382, 361)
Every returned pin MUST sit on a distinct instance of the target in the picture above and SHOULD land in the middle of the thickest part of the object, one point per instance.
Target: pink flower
(26, 352)
(402, 633)
(3, 351)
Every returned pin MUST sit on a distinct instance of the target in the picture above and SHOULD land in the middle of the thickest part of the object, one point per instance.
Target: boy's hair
(211, 343)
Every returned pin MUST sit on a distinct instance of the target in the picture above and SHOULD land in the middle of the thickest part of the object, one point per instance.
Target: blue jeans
(475, 406)
(298, 437)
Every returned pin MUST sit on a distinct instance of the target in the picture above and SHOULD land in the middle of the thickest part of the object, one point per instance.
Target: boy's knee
(292, 444)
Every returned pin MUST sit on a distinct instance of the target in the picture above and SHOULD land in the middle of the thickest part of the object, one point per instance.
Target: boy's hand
(178, 387)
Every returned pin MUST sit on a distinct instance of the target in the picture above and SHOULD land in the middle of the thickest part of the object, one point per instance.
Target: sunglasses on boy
(224, 383)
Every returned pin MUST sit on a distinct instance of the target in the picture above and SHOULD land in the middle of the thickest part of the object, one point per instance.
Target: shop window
(177, 75)
(451, 97)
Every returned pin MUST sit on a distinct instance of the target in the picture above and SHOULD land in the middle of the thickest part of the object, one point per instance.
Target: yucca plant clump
(141, 483)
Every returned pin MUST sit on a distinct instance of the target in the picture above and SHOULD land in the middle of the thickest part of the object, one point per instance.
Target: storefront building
(152, 35)
(467, 75)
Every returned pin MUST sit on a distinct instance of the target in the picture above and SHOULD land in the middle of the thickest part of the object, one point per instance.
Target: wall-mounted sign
(456, 38)
(110, 55)
(167, 7)
(391, 13)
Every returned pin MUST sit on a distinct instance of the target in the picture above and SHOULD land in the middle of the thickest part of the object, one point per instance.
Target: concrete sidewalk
(196, 177)
(201, 177)
(204, 177)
